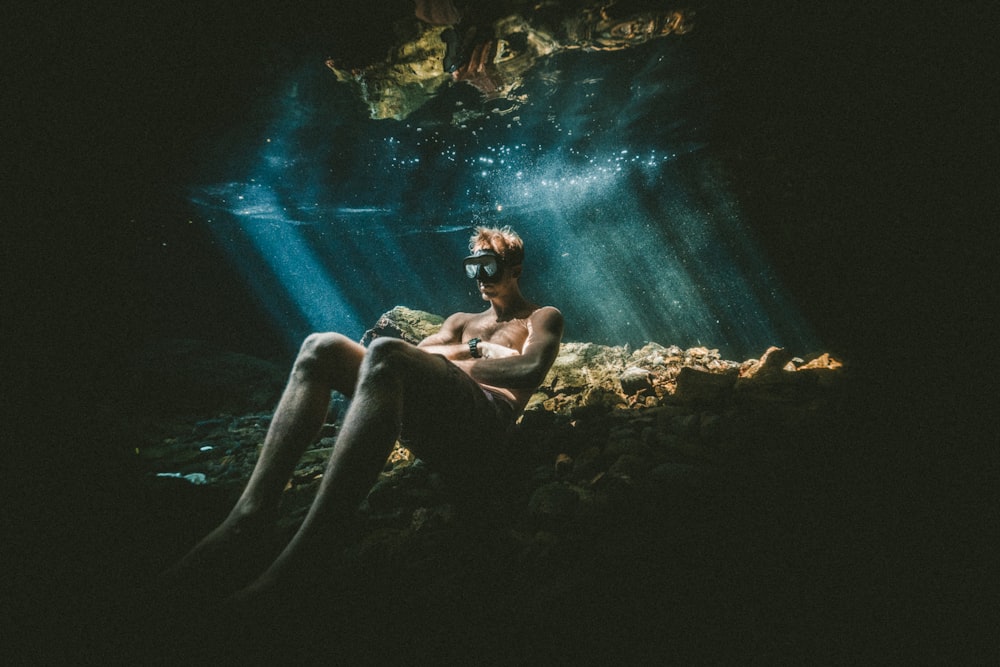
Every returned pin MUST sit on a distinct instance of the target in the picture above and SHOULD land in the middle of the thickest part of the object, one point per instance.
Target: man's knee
(394, 358)
(386, 353)
(323, 353)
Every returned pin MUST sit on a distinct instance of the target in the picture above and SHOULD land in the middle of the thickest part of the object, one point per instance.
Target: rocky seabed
(621, 456)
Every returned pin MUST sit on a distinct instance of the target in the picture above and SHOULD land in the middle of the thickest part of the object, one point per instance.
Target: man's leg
(395, 378)
(325, 362)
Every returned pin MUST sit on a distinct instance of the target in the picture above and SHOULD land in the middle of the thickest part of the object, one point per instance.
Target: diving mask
(483, 265)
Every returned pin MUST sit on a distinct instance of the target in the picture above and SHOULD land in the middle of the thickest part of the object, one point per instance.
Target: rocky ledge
(628, 468)
(602, 413)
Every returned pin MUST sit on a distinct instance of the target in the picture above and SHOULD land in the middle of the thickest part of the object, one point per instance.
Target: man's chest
(511, 333)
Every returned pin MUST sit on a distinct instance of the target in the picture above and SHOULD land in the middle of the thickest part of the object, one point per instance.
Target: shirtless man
(451, 399)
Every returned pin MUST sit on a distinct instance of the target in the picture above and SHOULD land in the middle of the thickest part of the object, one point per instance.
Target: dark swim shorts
(458, 423)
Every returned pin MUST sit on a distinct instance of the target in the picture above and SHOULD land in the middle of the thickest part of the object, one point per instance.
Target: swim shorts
(458, 423)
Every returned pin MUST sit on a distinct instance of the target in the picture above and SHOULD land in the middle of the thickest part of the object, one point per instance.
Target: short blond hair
(504, 241)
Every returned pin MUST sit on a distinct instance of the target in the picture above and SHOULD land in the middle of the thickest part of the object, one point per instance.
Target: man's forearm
(515, 372)
(508, 371)
(450, 351)
(499, 366)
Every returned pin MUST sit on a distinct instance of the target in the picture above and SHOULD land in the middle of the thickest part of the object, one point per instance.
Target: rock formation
(602, 414)
(492, 47)
(652, 474)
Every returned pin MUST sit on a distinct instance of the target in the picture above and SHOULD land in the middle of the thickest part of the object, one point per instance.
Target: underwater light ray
(754, 297)
(280, 247)
(595, 285)
(298, 268)
(367, 259)
(770, 295)
(700, 235)
(635, 244)
(268, 289)
(670, 251)
(401, 259)
(338, 248)
(592, 272)
(610, 183)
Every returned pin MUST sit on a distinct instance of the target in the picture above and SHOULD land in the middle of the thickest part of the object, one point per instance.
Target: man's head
(495, 252)
(504, 241)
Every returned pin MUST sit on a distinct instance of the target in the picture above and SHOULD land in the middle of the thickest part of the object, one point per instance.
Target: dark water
(802, 176)
(734, 187)
(631, 225)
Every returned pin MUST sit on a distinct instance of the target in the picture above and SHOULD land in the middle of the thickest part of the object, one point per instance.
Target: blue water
(607, 171)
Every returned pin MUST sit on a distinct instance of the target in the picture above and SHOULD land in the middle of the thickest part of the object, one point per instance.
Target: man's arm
(448, 340)
(527, 369)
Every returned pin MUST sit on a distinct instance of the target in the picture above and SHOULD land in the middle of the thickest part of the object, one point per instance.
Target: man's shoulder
(546, 318)
(546, 312)
(458, 317)
(459, 320)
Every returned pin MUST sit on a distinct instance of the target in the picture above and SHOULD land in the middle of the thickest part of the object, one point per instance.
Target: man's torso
(512, 333)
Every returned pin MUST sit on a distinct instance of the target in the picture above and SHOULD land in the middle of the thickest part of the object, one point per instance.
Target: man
(450, 398)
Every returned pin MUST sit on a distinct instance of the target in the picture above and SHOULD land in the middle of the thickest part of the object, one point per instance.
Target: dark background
(880, 161)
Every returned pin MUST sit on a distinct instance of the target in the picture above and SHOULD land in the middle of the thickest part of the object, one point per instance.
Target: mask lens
(489, 267)
(482, 267)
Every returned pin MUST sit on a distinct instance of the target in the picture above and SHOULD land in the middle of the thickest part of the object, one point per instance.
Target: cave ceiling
(433, 44)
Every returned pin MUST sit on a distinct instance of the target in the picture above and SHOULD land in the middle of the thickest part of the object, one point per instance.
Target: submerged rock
(402, 322)
(491, 46)
(634, 380)
(555, 502)
(654, 438)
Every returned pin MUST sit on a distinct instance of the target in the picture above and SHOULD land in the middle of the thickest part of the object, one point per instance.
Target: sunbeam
(631, 228)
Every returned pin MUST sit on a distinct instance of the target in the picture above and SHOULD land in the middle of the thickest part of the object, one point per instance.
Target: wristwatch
(473, 350)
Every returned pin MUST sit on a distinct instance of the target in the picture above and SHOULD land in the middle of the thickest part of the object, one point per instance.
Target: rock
(712, 427)
(774, 359)
(401, 322)
(681, 483)
(587, 464)
(600, 400)
(685, 426)
(555, 501)
(635, 380)
(508, 40)
(407, 486)
(206, 426)
(629, 467)
(619, 446)
(695, 386)
(823, 361)
(194, 477)
(585, 453)
(430, 518)
(564, 465)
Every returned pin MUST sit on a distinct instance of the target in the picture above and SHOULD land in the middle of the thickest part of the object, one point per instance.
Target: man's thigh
(448, 418)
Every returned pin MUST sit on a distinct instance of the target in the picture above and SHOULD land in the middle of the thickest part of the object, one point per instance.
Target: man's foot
(307, 563)
(225, 559)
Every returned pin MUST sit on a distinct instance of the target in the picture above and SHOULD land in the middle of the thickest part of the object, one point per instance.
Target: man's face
(489, 270)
